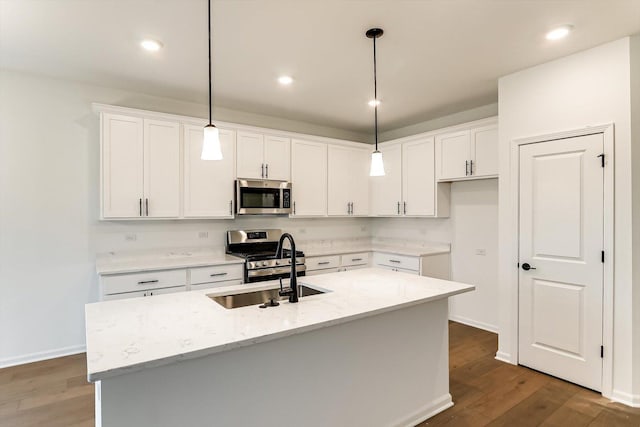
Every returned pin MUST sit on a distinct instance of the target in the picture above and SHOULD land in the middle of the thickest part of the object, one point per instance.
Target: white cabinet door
(250, 162)
(484, 149)
(161, 169)
(453, 155)
(418, 183)
(359, 181)
(208, 184)
(340, 172)
(122, 166)
(309, 178)
(386, 191)
(277, 158)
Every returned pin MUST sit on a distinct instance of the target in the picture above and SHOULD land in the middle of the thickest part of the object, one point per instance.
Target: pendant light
(211, 149)
(377, 165)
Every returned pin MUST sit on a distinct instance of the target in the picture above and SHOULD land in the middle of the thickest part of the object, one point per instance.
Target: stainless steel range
(258, 248)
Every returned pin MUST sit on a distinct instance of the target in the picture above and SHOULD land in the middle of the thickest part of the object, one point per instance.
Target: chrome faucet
(292, 290)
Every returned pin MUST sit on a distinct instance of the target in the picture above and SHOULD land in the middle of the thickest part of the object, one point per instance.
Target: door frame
(607, 130)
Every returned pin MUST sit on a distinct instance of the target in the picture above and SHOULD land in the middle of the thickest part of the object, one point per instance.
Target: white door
(250, 155)
(309, 178)
(161, 169)
(453, 155)
(561, 270)
(484, 151)
(340, 171)
(418, 183)
(208, 184)
(386, 191)
(359, 180)
(277, 158)
(122, 166)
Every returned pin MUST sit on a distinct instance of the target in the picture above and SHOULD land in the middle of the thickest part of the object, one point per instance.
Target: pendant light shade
(377, 165)
(211, 149)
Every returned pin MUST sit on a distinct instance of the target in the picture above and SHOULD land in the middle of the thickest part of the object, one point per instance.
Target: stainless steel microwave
(263, 197)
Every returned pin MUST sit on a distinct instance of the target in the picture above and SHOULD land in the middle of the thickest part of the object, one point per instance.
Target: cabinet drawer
(324, 271)
(148, 293)
(216, 273)
(216, 284)
(322, 262)
(397, 261)
(354, 259)
(121, 283)
(400, 270)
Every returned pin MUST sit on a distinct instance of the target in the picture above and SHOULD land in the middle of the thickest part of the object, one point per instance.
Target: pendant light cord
(375, 91)
(210, 100)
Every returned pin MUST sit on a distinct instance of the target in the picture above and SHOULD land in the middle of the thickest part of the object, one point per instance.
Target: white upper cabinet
(348, 184)
(140, 167)
(161, 169)
(484, 149)
(122, 166)
(208, 184)
(418, 178)
(263, 157)
(386, 191)
(409, 187)
(309, 178)
(467, 154)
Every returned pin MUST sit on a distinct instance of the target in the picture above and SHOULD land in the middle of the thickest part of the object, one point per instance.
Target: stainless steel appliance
(258, 248)
(263, 197)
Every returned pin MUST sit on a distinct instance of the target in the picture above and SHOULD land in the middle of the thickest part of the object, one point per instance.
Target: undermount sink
(259, 297)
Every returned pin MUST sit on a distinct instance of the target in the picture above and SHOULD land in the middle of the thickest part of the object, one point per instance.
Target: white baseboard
(628, 399)
(505, 357)
(473, 323)
(42, 355)
(427, 411)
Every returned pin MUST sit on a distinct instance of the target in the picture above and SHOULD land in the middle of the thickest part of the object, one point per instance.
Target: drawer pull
(147, 281)
(395, 261)
(217, 274)
(324, 263)
(356, 259)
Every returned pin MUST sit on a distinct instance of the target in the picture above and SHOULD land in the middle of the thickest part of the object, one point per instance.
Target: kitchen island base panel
(389, 369)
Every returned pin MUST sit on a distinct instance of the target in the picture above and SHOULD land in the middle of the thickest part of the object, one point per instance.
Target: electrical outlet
(482, 252)
(131, 237)
(203, 234)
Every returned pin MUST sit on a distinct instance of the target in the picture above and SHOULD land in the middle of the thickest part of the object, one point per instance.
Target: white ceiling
(435, 58)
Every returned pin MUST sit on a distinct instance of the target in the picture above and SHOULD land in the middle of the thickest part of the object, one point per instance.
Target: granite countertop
(133, 262)
(133, 334)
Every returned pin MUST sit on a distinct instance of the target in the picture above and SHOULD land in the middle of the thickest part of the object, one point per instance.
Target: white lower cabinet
(435, 265)
(335, 263)
(149, 283)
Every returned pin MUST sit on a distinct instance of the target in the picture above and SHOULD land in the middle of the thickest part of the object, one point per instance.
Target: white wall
(474, 221)
(473, 225)
(584, 89)
(635, 137)
(49, 194)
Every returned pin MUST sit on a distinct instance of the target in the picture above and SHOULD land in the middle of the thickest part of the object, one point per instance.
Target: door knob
(527, 267)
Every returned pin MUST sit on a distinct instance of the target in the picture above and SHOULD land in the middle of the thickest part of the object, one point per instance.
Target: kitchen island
(372, 350)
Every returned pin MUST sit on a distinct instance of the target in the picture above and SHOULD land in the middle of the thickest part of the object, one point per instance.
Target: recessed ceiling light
(559, 33)
(374, 102)
(285, 80)
(151, 45)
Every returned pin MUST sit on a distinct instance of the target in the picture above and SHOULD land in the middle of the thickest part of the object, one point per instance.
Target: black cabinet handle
(266, 168)
(140, 200)
(147, 206)
(405, 208)
(398, 208)
(466, 168)
(394, 261)
(356, 259)
(262, 170)
(527, 267)
(147, 281)
(323, 263)
(217, 274)
(470, 167)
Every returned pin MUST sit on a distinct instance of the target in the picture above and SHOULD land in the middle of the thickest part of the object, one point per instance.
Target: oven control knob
(264, 263)
(289, 261)
(277, 262)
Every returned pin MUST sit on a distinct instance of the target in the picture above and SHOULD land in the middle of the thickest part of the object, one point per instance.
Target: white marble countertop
(131, 262)
(393, 249)
(133, 334)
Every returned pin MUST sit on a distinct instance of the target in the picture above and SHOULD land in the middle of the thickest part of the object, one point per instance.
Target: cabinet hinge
(601, 159)
(602, 256)
(602, 352)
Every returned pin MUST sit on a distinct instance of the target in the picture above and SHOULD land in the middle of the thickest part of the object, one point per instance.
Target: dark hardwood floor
(486, 393)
